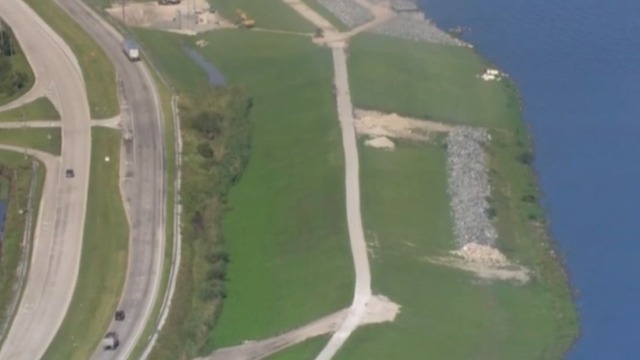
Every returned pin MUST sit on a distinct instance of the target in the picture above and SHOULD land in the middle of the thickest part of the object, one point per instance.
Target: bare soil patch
(377, 124)
(382, 142)
(380, 309)
(186, 17)
(485, 262)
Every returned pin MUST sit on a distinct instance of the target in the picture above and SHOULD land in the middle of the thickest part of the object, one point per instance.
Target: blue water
(577, 64)
(3, 213)
(215, 77)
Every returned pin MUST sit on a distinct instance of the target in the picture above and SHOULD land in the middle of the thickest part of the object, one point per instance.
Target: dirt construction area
(190, 16)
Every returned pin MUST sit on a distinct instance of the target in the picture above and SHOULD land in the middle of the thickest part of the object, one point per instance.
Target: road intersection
(55, 259)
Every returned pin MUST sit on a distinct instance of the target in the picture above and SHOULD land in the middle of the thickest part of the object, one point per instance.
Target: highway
(144, 182)
(55, 259)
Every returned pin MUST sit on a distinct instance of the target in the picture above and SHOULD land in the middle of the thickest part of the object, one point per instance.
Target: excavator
(243, 20)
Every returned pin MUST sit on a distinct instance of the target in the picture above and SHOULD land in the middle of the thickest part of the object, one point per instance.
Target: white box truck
(131, 49)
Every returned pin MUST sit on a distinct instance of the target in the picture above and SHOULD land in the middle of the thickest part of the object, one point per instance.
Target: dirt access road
(55, 259)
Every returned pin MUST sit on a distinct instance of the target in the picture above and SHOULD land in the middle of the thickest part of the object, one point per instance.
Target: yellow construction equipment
(243, 20)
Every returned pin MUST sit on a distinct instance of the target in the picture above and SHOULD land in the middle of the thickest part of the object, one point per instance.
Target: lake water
(577, 64)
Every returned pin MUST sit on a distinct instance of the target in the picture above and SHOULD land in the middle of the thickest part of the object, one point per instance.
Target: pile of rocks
(348, 11)
(413, 26)
(469, 186)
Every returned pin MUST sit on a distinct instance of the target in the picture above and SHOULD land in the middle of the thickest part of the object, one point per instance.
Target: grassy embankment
(98, 72)
(39, 109)
(101, 277)
(16, 174)
(328, 15)
(447, 313)
(284, 224)
(268, 14)
(43, 139)
(16, 76)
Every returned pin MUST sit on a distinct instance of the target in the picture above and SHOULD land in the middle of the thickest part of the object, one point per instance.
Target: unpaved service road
(58, 237)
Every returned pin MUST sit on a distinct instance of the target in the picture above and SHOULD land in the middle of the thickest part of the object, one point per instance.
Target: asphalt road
(143, 184)
(58, 237)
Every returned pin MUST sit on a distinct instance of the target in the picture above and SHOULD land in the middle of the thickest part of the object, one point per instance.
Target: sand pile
(382, 142)
(378, 124)
(484, 262)
(473, 252)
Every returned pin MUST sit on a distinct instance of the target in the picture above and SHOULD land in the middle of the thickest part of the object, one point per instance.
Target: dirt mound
(485, 262)
(382, 142)
(394, 126)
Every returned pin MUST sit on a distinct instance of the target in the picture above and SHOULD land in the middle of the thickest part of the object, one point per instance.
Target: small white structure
(491, 75)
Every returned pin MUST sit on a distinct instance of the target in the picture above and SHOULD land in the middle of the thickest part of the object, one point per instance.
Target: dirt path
(255, 350)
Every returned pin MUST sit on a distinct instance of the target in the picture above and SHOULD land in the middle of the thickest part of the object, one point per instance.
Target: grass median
(43, 139)
(98, 71)
(16, 174)
(284, 225)
(39, 109)
(104, 256)
(16, 75)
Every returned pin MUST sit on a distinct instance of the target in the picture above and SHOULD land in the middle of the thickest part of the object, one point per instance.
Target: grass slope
(328, 15)
(44, 139)
(39, 109)
(104, 256)
(286, 228)
(98, 72)
(307, 350)
(17, 169)
(428, 81)
(268, 14)
(446, 313)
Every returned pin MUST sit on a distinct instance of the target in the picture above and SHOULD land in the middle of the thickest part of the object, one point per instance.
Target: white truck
(131, 49)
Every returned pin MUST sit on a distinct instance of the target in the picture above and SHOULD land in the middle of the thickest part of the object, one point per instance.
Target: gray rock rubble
(348, 11)
(413, 26)
(469, 186)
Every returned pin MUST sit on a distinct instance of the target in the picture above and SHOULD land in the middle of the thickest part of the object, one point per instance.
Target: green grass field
(39, 109)
(98, 71)
(268, 14)
(446, 313)
(307, 350)
(104, 256)
(429, 81)
(286, 226)
(44, 139)
(17, 174)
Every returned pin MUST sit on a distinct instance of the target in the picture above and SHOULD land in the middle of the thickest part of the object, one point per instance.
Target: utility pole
(123, 18)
